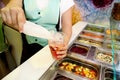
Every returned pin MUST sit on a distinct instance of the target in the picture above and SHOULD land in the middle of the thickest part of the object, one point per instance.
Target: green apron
(48, 17)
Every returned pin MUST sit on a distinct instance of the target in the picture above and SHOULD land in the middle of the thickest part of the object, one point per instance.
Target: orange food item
(79, 70)
(93, 35)
(76, 16)
(116, 32)
(108, 32)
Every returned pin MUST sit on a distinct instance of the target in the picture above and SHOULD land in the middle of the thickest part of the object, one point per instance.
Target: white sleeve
(64, 6)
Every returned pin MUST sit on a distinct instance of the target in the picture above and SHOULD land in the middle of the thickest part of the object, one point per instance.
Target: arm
(67, 24)
(13, 14)
(66, 18)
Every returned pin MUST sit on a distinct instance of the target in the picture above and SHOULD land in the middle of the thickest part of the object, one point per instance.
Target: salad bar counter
(89, 58)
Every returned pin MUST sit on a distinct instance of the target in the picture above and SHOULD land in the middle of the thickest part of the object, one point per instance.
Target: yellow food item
(76, 16)
(108, 32)
(79, 70)
(115, 32)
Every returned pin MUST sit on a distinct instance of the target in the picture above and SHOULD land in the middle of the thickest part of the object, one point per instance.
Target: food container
(93, 35)
(108, 46)
(80, 68)
(108, 74)
(105, 57)
(108, 39)
(61, 77)
(94, 28)
(78, 50)
(89, 41)
(108, 36)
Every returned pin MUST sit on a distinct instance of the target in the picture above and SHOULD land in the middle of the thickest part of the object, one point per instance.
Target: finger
(61, 56)
(8, 17)
(14, 18)
(21, 19)
(3, 15)
(63, 48)
(13, 13)
(61, 52)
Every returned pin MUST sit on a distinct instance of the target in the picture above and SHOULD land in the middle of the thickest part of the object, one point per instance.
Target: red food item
(79, 50)
(101, 3)
(93, 35)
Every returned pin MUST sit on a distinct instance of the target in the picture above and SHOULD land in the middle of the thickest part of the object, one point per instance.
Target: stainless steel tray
(81, 68)
(104, 57)
(89, 41)
(108, 73)
(78, 50)
(87, 61)
(95, 28)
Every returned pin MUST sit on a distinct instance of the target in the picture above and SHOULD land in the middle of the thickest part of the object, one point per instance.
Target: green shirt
(46, 17)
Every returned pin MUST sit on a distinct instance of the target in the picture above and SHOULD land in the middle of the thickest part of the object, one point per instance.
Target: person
(47, 13)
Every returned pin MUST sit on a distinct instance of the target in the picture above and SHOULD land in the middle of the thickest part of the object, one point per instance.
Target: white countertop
(35, 67)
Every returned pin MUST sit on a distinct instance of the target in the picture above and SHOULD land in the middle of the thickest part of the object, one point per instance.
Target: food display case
(89, 58)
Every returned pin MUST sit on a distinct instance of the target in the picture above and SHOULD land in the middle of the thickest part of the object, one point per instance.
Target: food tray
(61, 77)
(108, 39)
(115, 32)
(94, 35)
(89, 41)
(108, 36)
(108, 46)
(80, 68)
(105, 57)
(78, 50)
(94, 28)
(108, 74)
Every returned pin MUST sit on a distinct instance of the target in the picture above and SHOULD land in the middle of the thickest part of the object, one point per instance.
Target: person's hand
(62, 52)
(58, 45)
(13, 15)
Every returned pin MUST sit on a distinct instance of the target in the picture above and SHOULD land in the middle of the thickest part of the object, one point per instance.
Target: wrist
(15, 3)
